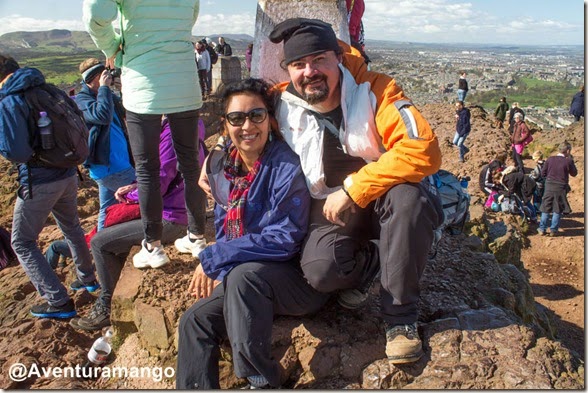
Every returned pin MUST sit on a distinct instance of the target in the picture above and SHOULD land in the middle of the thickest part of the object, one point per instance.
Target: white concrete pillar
(266, 58)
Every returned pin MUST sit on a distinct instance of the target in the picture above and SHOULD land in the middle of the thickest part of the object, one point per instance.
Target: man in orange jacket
(364, 149)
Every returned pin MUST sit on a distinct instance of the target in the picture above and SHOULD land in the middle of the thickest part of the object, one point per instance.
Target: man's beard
(317, 95)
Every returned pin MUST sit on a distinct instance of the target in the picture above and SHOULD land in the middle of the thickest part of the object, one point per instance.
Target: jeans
(209, 79)
(203, 78)
(111, 247)
(461, 94)
(403, 220)
(545, 222)
(242, 309)
(57, 249)
(107, 186)
(459, 142)
(144, 132)
(30, 215)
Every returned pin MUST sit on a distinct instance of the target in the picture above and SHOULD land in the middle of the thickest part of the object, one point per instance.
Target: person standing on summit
(462, 87)
(153, 35)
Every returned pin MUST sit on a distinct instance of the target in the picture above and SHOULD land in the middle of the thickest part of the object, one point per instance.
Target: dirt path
(556, 268)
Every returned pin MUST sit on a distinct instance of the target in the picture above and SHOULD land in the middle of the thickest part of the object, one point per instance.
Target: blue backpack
(455, 201)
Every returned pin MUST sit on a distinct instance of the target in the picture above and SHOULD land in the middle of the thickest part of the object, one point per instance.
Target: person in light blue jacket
(155, 52)
(253, 271)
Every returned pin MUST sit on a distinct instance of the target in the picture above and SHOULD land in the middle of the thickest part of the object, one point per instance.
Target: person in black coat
(462, 129)
(577, 106)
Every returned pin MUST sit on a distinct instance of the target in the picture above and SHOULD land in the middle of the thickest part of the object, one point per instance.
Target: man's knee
(322, 275)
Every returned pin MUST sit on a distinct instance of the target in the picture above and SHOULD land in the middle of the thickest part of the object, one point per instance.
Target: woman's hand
(201, 285)
(120, 194)
(203, 179)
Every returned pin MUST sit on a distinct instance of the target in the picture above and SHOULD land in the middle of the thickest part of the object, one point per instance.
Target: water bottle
(464, 181)
(101, 348)
(98, 354)
(46, 131)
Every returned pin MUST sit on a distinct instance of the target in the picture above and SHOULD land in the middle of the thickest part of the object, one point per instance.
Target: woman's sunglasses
(236, 119)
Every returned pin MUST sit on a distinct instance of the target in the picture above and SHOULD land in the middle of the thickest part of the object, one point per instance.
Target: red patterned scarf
(238, 195)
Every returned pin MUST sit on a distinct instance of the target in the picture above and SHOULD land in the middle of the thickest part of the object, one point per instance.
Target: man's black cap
(303, 37)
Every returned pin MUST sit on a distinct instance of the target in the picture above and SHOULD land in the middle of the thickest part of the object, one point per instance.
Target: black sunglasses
(257, 115)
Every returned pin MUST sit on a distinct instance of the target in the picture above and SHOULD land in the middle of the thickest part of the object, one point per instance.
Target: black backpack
(213, 54)
(69, 129)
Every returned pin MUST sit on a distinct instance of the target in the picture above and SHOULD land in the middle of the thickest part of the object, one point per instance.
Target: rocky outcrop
(480, 325)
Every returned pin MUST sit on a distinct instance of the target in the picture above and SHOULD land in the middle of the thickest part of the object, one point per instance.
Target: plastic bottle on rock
(98, 354)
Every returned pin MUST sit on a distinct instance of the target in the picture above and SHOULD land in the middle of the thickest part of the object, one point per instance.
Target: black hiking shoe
(354, 298)
(45, 310)
(91, 286)
(98, 318)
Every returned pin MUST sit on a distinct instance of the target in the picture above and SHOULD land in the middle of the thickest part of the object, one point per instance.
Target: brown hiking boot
(403, 344)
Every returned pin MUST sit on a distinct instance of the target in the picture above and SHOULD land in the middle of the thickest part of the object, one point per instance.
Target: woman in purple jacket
(252, 272)
(111, 246)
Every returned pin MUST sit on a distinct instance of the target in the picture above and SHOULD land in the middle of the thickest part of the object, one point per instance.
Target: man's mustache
(313, 79)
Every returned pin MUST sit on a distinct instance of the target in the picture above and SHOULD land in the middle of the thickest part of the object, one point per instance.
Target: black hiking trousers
(402, 222)
(242, 309)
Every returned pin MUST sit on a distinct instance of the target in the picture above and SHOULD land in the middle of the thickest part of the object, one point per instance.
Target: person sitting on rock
(111, 246)
(487, 183)
(364, 150)
(521, 188)
(252, 272)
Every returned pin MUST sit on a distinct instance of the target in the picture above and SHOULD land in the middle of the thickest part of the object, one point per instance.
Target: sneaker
(45, 310)
(98, 318)
(552, 233)
(153, 259)
(403, 344)
(91, 286)
(257, 382)
(352, 299)
(540, 232)
(466, 150)
(186, 245)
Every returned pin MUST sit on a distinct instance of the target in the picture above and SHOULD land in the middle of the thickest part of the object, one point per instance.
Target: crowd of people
(317, 185)
(540, 194)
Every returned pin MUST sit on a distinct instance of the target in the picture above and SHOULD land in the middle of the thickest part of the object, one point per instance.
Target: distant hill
(52, 41)
(34, 43)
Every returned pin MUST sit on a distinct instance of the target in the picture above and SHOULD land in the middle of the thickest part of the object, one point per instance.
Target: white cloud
(208, 24)
(454, 21)
(23, 23)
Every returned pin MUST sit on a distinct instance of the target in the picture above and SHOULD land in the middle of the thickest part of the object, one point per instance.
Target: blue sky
(471, 21)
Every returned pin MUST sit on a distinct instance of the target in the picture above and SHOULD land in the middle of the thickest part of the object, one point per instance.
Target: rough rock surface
(480, 323)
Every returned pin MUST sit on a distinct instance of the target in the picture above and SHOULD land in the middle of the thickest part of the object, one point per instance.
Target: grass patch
(547, 150)
(61, 70)
(531, 92)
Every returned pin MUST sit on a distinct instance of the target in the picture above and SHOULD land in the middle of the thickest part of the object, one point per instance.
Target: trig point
(267, 55)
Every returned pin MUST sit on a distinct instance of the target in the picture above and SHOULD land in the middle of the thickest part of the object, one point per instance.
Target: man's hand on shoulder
(336, 207)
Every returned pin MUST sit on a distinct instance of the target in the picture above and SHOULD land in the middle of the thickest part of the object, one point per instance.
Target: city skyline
(524, 22)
